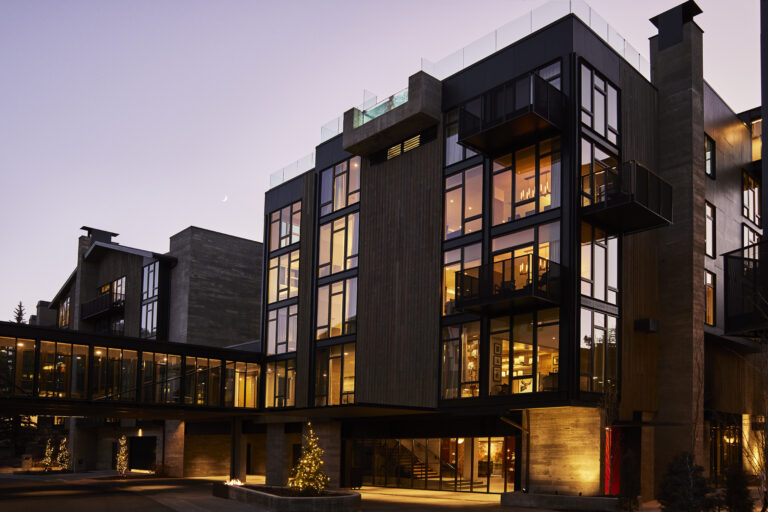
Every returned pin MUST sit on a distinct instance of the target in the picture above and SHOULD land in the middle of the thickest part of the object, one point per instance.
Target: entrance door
(142, 452)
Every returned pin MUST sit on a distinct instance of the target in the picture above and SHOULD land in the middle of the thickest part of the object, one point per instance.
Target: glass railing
(381, 108)
(292, 170)
(526, 25)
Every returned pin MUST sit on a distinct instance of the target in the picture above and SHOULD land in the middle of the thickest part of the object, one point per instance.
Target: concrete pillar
(173, 448)
(329, 439)
(237, 454)
(74, 443)
(278, 455)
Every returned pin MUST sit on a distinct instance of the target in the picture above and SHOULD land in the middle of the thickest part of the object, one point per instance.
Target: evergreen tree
(63, 459)
(683, 488)
(308, 476)
(122, 456)
(737, 497)
(48, 457)
(18, 313)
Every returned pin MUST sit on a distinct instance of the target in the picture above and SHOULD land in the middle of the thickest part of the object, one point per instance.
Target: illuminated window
(63, 318)
(202, 381)
(464, 203)
(285, 226)
(757, 139)
(281, 330)
(599, 264)
(461, 361)
(750, 198)
(527, 182)
(599, 104)
(283, 278)
(241, 384)
(456, 260)
(709, 297)
(599, 173)
(281, 383)
(335, 375)
(711, 224)
(710, 160)
(337, 309)
(340, 186)
(338, 245)
(598, 351)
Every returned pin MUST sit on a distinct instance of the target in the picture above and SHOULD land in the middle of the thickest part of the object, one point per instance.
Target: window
(283, 277)
(551, 73)
(118, 290)
(335, 375)
(285, 226)
(522, 256)
(337, 309)
(454, 152)
(599, 173)
(599, 104)
(161, 378)
(751, 198)
(599, 264)
(757, 139)
(464, 203)
(598, 351)
(280, 383)
(281, 330)
(527, 182)
(711, 226)
(750, 237)
(202, 382)
(149, 281)
(115, 373)
(63, 319)
(149, 319)
(241, 384)
(454, 261)
(527, 351)
(710, 160)
(338, 245)
(340, 186)
(709, 297)
(461, 361)
(63, 369)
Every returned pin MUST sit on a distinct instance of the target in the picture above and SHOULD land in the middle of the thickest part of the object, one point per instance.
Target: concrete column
(173, 448)
(278, 455)
(237, 454)
(74, 443)
(329, 439)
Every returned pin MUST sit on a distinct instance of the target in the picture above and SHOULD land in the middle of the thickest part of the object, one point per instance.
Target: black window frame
(463, 187)
(751, 187)
(713, 285)
(350, 253)
(288, 217)
(273, 327)
(322, 386)
(330, 176)
(707, 207)
(588, 112)
(710, 157)
(349, 323)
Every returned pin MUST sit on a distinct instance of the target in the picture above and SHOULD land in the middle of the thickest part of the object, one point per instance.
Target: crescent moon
(226, 197)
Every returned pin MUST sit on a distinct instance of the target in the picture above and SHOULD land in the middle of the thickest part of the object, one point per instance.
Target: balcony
(399, 117)
(103, 304)
(626, 201)
(525, 282)
(526, 108)
(746, 291)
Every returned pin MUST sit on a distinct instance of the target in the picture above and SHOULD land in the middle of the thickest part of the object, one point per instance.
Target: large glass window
(599, 264)
(526, 182)
(599, 172)
(63, 370)
(338, 245)
(202, 381)
(280, 383)
(241, 384)
(116, 288)
(750, 237)
(464, 203)
(337, 308)
(149, 319)
(599, 104)
(335, 375)
(598, 351)
(161, 378)
(285, 226)
(340, 186)
(281, 330)
(461, 361)
(115, 374)
(63, 317)
(751, 198)
(454, 152)
(149, 300)
(150, 281)
(710, 158)
(709, 297)
(454, 261)
(283, 277)
(711, 226)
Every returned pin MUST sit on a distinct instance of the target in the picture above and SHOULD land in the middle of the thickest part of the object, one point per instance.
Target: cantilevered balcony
(746, 291)
(399, 117)
(626, 200)
(525, 108)
(525, 282)
(103, 304)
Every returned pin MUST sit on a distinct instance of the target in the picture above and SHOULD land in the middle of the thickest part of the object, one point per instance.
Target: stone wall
(207, 455)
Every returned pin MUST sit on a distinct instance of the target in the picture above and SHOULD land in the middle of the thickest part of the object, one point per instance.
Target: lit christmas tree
(48, 457)
(63, 459)
(122, 456)
(308, 476)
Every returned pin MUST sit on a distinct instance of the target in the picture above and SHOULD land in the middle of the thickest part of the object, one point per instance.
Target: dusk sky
(140, 117)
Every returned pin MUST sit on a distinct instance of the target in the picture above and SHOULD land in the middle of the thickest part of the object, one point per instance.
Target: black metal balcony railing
(525, 281)
(104, 303)
(628, 200)
(525, 106)
(746, 291)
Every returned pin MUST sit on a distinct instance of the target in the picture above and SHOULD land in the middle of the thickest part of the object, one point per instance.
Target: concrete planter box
(338, 502)
(558, 502)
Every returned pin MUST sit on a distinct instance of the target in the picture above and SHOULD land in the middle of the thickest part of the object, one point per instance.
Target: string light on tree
(308, 476)
(48, 457)
(122, 456)
(63, 459)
